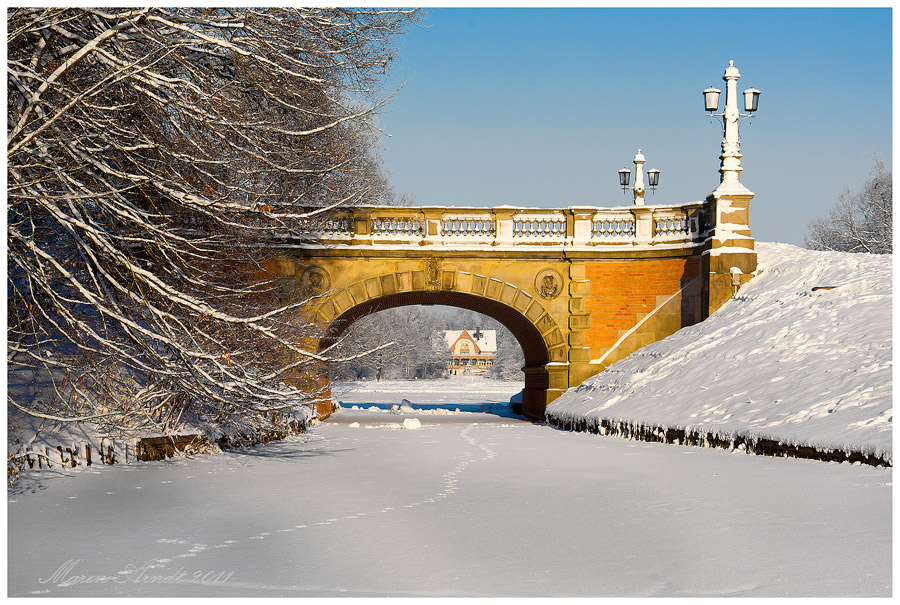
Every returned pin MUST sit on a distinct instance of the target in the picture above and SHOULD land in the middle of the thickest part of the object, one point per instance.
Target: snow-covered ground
(781, 361)
(469, 504)
(450, 494)
(454, 395)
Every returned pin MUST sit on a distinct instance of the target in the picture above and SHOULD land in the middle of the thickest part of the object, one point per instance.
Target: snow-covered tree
(419, 349)
(153, 155)
(415, 346)
(860, 222)
(510, 358)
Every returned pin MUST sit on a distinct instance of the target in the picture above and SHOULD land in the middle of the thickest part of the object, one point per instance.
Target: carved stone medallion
(432, 274)
(548, 283)
(314, 281)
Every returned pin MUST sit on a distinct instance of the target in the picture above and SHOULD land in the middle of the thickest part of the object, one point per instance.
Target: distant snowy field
(425, 389)
(454, 394)
(780, 361)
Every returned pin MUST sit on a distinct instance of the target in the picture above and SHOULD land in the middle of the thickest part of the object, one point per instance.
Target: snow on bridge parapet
(575, 226)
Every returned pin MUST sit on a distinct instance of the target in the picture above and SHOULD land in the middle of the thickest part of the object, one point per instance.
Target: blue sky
(541, 107)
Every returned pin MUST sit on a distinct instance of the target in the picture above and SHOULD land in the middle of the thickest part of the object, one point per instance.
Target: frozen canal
(470, 504)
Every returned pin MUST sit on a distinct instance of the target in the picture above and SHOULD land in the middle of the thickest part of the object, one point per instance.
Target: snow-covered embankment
(781, 362)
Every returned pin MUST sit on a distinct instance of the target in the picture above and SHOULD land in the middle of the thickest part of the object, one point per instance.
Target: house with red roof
(471, 352)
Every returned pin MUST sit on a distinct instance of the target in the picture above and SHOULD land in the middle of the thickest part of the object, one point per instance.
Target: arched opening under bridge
(534, 347)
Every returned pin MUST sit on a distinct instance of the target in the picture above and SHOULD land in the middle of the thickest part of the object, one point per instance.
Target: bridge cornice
(548, 253)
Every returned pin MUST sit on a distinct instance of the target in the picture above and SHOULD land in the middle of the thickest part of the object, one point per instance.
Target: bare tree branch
(153, 157)
(861, 222)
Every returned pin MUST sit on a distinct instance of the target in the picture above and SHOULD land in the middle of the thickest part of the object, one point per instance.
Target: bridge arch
(534, 328)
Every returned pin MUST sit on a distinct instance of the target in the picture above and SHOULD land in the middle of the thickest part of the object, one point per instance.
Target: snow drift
(801, 356)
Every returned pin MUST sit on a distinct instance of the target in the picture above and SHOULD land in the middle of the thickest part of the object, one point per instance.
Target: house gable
(465, 341)
(485, 344)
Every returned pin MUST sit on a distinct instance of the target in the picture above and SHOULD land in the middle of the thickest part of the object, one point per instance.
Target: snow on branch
(153, 157)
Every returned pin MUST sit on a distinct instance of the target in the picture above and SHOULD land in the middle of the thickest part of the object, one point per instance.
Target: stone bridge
(579, 287)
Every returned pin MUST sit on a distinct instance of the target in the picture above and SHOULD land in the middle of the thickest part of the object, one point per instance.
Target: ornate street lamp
(731, 147)
(652, 178)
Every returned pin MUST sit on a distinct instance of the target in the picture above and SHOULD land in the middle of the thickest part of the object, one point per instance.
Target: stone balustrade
(512, 226)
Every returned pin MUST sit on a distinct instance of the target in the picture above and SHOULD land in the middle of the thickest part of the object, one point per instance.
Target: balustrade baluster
(612, 226)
